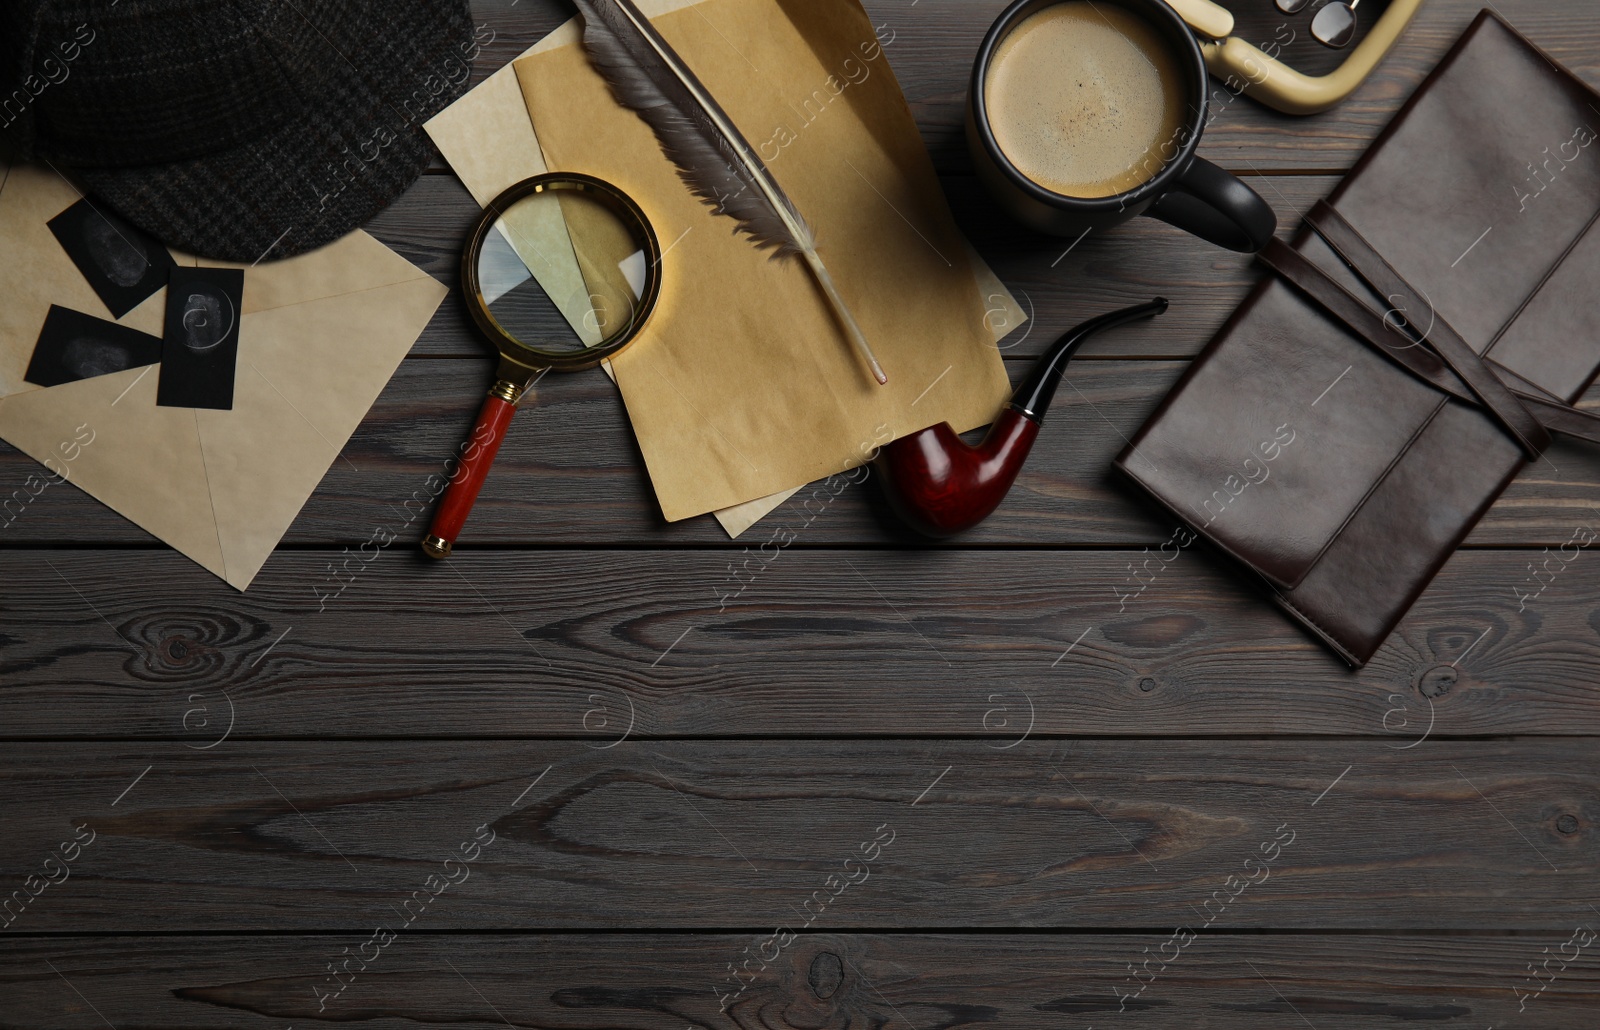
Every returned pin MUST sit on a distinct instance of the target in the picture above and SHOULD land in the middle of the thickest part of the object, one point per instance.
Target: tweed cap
(233, 129)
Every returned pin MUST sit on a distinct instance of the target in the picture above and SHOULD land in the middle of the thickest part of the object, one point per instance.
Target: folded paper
(319, 337)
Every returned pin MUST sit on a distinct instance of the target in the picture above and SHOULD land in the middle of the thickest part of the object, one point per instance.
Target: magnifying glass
(560, 273)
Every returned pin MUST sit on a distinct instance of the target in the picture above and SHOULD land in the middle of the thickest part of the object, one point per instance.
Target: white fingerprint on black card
(118, 254)
(207, 319)
(86, 357)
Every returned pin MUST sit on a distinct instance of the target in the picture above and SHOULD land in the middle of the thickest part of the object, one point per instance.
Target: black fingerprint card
(74, 346)
(122, 264)
(201, 346)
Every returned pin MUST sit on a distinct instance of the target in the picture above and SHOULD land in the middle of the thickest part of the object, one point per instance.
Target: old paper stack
(741, 389)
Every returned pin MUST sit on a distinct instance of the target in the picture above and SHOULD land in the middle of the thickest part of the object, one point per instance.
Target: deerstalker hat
(233, 129)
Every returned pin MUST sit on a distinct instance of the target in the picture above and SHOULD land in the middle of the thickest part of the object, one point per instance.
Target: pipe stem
(1033, 397)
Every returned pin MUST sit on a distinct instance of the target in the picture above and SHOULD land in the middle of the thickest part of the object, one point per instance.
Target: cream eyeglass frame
(1276, 84)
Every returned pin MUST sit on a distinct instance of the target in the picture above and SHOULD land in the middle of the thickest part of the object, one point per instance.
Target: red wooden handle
(476, 458)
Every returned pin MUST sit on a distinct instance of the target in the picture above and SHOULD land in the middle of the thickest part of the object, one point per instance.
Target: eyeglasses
(1333, 26)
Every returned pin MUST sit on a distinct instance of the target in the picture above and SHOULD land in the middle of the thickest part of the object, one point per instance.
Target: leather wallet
(1423, 335)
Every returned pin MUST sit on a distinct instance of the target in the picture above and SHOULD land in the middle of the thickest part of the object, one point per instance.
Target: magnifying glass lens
(561, 272)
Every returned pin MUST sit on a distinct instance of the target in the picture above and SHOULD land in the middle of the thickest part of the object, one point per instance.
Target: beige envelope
(320, 336)
(490, 141)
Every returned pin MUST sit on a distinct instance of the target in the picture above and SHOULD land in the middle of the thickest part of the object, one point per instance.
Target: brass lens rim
(615, 201)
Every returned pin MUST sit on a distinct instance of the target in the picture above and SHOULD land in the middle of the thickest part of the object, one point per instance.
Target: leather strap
(1381, 277)
(1563, 418)
(1373, 329)
(1526, 411)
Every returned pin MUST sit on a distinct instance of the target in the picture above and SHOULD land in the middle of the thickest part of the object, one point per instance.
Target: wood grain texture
(824, 981)
(933, 48)
(514, 25)
(1460, 835)
(665, 730)
(841, 643)
(570, 474)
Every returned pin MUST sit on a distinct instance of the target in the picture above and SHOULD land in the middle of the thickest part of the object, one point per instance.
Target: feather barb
(709, 152)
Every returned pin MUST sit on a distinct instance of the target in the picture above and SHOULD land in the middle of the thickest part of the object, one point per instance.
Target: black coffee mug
(1187, 191)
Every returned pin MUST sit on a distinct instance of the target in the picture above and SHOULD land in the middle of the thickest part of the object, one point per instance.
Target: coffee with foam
(1086, 99)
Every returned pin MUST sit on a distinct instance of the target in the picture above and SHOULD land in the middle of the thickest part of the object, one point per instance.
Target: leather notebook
(1363, 407)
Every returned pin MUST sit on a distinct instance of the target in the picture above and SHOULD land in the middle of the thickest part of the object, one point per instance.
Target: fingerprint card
(122, 264)
(74, 346)
(201, 346)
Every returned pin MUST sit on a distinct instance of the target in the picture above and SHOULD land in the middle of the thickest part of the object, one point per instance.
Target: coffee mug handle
(1217, 207)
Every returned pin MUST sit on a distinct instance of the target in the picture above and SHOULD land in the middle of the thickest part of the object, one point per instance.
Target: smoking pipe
(941, 485)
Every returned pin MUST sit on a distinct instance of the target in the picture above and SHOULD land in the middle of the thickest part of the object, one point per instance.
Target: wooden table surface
(875, 790)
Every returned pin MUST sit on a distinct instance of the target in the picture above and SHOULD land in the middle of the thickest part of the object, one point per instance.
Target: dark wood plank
(512, 26)
(663, 981)
(933, 48)
(819, 642)
(204, 825)
(318, 835)
(571, 475)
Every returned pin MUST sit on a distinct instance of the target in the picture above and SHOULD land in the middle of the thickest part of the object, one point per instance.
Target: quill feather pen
(712, 157)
